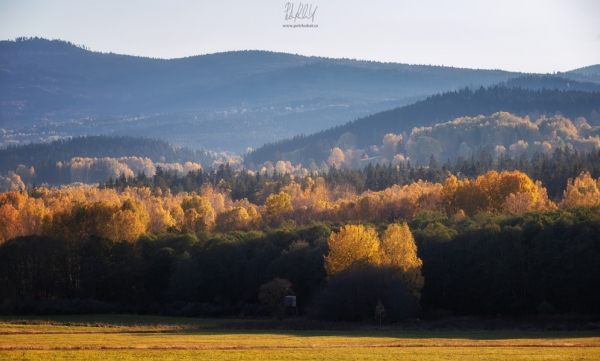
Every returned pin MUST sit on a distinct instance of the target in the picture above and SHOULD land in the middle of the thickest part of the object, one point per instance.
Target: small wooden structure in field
(290, 305)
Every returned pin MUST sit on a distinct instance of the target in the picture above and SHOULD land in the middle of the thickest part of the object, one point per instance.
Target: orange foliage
(73, 213)
(9, 224)
(581, 191)
(513, 192)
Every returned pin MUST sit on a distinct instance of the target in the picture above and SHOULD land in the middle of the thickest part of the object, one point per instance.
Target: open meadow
(124, 337)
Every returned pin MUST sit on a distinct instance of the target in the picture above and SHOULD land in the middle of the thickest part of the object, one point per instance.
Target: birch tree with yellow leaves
(399, 251)
(352, 246)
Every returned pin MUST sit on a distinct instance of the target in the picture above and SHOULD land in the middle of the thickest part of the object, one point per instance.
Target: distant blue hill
(591, 70)
(226, 101)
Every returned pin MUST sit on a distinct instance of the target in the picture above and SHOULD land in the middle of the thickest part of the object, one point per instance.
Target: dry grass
(138, 337)
(405, 354)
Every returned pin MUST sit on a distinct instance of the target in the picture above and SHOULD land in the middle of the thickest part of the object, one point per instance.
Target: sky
(541, 36)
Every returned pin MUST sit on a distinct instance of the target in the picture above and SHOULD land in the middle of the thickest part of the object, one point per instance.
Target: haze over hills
(226, 101)
(434, 110)
(588, 70)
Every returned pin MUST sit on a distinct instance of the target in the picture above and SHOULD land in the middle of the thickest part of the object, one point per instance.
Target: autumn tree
(129, 222)
(398, 250)
(320, 194)
(216, 199)
(88, 219)
(390, 142)
(199, 214)
(493, 192)
(518, 203)
(336, 158)
(581, 191)
(278, 204)
(32, 215)
(352, 246)
(463, 195)
(9, 222)
(499, 186)
(16, 199)
(234, 218)
(255, 218)
(160, 219)
(11, 182)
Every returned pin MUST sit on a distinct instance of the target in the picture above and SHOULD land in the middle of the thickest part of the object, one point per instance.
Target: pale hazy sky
(529, 36)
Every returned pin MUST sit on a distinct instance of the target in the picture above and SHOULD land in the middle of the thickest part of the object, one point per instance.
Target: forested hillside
(436, 109)
(550, 150)
(225, 101)
(588, 73)
(550, 82)
(498, 134)
(94, 159)
(552, 169)
(99, 147)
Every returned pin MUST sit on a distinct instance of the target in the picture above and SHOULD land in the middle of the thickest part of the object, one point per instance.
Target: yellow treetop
(582, 191)
(353, 245)
(278, 203)
(492, 192)
(398, 250)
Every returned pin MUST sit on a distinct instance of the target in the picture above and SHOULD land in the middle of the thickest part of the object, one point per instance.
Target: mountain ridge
(221, 101)
(46, 81)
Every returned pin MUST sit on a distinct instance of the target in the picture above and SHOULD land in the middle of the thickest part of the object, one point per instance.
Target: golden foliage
(199, 214)
(124, 225)
(513, 192)
(31, 216)
(278, 204)
(255, 217)
(73, 213)
(582, 191)
(353, 245)
(160, 219)
(359, 246)
(9, 222)
(398, 250)
(232, 219)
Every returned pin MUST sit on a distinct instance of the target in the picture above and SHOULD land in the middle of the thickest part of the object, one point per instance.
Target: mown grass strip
(230, 339)
(363, 354)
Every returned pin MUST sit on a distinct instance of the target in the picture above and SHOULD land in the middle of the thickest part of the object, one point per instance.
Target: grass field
(101, 337)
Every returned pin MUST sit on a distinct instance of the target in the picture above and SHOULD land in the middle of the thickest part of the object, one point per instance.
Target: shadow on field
(467, 328)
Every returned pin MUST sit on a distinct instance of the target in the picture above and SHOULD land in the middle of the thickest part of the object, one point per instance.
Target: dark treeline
(434, 110)
(540, 262)
(207, 275)
(536, 263)
(553, 170)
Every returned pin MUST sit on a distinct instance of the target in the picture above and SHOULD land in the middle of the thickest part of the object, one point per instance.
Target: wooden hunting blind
(290, 301)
